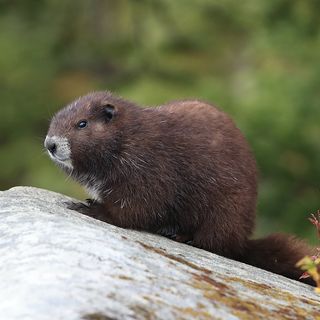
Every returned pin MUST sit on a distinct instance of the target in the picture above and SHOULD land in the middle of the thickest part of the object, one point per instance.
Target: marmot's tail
(279, 254)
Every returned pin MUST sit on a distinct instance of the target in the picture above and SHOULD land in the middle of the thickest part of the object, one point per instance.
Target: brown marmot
(182, 169)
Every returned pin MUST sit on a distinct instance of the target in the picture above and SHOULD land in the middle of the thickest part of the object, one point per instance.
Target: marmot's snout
(59, 150)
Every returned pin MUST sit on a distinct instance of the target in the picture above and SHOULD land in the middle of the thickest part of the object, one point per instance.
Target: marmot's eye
(82, 124)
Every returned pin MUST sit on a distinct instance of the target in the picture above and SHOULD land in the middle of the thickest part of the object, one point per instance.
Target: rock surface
(58, 264)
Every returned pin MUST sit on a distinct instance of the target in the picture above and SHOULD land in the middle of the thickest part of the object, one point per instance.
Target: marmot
(182, 170)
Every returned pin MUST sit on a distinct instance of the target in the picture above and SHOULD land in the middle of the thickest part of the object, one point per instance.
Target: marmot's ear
(109, 112)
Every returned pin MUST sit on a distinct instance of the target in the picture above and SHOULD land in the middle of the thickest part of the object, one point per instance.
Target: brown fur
(179, 169)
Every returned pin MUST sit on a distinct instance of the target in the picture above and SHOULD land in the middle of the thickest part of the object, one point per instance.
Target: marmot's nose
(50, 145)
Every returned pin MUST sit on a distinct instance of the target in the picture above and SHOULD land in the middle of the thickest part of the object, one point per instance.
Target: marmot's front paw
(90, 208)
(78, 206)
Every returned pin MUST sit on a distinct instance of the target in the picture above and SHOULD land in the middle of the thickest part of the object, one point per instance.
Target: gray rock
(58, 264)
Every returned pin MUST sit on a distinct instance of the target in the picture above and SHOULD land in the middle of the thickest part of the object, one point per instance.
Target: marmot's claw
(184, 238)
(77, 206)
(90, 202)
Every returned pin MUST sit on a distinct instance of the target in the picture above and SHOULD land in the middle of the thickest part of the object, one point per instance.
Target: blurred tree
(259, 61)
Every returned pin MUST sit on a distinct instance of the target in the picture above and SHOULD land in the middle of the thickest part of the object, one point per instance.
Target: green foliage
(257, 60)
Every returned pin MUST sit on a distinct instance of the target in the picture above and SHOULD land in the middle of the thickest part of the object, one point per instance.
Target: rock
(58, 264)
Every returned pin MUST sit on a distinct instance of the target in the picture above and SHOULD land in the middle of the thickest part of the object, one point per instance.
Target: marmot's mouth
(64, 163)
(55, 157)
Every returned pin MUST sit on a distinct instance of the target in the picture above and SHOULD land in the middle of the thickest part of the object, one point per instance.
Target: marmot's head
(85, 135)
